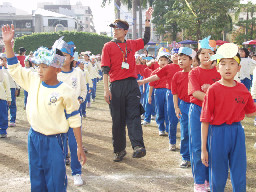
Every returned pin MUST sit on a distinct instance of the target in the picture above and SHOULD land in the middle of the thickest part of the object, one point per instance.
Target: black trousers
(125, 110)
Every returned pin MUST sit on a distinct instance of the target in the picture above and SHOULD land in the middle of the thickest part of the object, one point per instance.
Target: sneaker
(119, 156)
(172, 147)
(153, 117)
(12, 124)
(3, 135)
(185, 164)
(255, 122)
(162, 133)
(93, 100)
(207, 185)
(89, 104)
(142, 117)
(84, 116)
(138, 152)
(145, 123)
(199, 188)
(67, 160)
(255, 145)
(78, 180)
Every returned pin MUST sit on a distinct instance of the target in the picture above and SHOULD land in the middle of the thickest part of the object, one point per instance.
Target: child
(181, 100)
(21, 57)
(225, 105)
(168, 71)
(48, 99)
(246, 65)
(88, 84)
(160, 94)
(14, 89)
(5, 101)
(75, 79)
(200, 78)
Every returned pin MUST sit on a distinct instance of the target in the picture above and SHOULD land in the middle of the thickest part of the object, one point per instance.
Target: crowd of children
(209, 104)
(206, 91)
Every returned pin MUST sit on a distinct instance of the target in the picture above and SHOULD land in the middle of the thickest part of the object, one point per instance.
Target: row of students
(226, 136)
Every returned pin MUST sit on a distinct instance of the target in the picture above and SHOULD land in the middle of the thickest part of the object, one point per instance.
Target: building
(83, 14)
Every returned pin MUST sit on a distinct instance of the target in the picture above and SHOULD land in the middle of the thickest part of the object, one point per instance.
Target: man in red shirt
(123, 95)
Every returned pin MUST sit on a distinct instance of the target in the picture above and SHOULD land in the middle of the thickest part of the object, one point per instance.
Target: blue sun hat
(187, 51)
(68, 47)
(163, 52)
(49, 57)
(206, 43)
(174, 50)
(226, 51)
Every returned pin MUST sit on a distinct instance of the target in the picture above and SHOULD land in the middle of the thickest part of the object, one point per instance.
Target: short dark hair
(182, 54)
(198, 53)
(122, 21)
(247, 53)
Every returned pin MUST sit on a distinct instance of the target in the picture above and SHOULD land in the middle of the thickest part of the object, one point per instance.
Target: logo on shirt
(240, 100)
(53, 98)
(74, 82)
(215, 79)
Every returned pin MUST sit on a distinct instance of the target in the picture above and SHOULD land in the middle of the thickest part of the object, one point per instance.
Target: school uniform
(160, 87)
(224, 108)
(45, 113)
(180, 88)
(169, 71)
(89, 85)
(13, 87)
(5, 95)
(245, 72)
(75, 79)
(149, 108)
(198, 77)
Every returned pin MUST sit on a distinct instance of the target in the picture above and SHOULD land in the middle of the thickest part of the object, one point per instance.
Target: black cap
(22, 49)
(119, 24)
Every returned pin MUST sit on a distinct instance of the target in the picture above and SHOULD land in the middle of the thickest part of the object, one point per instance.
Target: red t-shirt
(180, 85)
(161, 83)
(112, 57)
(21, 59)
(146, 72)
(198, 77)
(169, 71)
(226, 104)
(154, 66)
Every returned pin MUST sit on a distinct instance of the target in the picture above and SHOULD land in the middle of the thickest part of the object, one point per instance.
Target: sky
(102, 16)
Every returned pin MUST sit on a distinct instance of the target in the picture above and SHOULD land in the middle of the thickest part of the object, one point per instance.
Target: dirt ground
(157, 171)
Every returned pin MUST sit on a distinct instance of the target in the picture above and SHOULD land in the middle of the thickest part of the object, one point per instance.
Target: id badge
(125, 65)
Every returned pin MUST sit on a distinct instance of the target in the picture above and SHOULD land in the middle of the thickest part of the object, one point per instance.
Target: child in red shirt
(199, 80)
(225, 105)
(160, 94)
(181, 100)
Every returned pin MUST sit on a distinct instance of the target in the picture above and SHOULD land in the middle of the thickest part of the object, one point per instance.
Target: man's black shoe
(119, 156)
(139, 152)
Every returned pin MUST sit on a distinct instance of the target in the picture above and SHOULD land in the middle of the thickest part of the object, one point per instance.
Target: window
(54, 22)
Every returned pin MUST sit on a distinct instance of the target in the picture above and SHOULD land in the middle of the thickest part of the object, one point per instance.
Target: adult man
(123, 96)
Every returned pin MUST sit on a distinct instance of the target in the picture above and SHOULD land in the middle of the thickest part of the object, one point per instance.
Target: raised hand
(149, 13)
(7, 33)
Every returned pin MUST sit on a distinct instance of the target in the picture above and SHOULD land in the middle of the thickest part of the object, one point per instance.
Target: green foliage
(212, 17)
(84, 41)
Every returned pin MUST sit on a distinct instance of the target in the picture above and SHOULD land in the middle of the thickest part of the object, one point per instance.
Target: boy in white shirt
(51, 110)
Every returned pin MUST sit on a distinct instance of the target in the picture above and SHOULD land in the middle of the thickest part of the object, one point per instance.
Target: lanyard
(124, 53)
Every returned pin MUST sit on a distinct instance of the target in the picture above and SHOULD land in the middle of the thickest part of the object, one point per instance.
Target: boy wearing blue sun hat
(75, 79)
(181, 100)
(48, 99)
